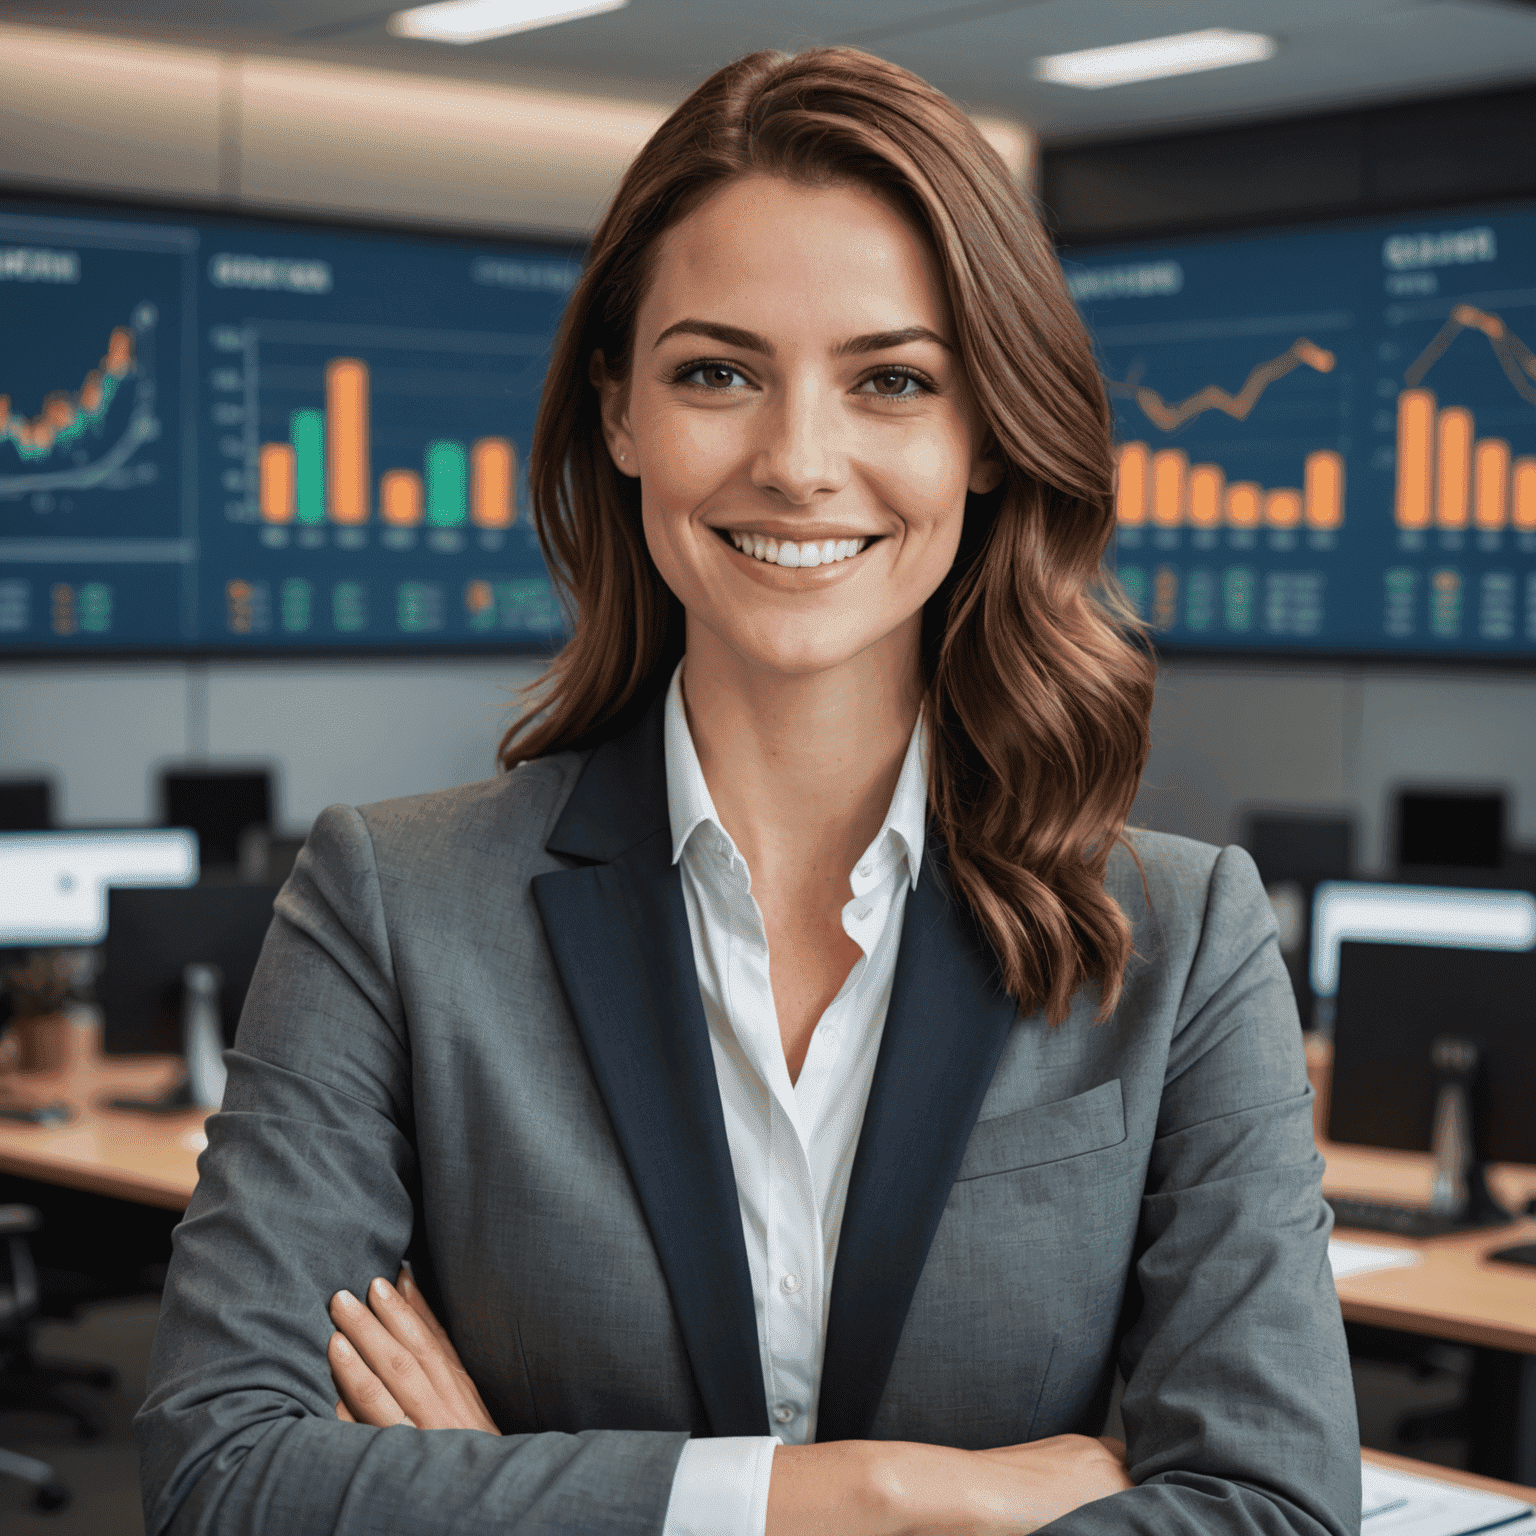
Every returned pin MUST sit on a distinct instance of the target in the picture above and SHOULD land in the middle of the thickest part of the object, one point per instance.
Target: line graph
(68, 417)
(1515, 358)
(1170, 417)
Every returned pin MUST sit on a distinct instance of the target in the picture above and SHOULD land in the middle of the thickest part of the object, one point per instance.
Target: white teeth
(793, 556)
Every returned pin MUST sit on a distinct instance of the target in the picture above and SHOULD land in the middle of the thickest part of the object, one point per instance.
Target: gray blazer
(475, 1039)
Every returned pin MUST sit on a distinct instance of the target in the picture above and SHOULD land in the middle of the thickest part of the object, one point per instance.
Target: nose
(799, 455)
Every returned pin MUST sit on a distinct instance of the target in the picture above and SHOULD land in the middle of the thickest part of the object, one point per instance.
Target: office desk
(150, 1159)
(1457, 1293)
(1452, 1475)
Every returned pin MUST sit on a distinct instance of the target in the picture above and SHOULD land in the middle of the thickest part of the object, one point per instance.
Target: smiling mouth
(790, 554)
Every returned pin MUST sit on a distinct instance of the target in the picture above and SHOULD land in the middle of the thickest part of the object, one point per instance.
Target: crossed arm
(393, 1364)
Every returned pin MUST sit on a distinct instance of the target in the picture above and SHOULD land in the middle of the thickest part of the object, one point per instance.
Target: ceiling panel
(1332, 53)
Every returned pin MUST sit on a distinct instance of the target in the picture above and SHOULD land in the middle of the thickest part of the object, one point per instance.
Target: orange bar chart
(492, 478)
(1524, 509)
(1449, 478)
(1132, 480)
(1490, 483)
(1282, 509)
(1207, 483)
(1170, 485)
(1323, 489)
(347, 474)
(277, 482)
(1167, 491)
(400, 498)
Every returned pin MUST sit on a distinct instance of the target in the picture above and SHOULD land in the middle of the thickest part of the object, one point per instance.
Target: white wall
(352, 731)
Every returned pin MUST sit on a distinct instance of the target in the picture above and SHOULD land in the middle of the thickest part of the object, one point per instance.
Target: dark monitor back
(218, 805)
(1452, 831)
(1302, 848)
(1394, 1000)
(26, 805)
(153, 935)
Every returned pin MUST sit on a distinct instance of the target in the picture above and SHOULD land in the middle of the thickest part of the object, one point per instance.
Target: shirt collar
(689, 803)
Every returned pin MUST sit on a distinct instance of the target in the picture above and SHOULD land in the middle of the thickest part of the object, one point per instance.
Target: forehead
(765, 251)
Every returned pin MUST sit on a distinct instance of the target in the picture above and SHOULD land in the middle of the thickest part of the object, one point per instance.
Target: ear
(987, 468)
(613, 403)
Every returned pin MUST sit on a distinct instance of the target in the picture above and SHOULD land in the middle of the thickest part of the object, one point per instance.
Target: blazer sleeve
(1239, 1408)
(306, 1187)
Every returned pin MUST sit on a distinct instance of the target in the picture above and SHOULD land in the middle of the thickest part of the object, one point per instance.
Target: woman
(825, 462)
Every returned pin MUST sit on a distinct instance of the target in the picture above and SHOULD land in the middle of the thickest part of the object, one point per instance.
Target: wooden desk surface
(1457, 1293)
(151, 1159)
(1450, 1475)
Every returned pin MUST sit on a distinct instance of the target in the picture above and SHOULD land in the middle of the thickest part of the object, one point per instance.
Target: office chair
(30, 1384)
(1443, 834)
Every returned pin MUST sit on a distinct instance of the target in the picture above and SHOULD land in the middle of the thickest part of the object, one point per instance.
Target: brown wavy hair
(1038, 686)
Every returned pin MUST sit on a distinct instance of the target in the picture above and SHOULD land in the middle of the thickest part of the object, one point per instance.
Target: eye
(718, 377)
(894, 384)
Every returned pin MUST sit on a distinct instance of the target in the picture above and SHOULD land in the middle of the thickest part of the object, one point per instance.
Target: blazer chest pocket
(1046, 1133)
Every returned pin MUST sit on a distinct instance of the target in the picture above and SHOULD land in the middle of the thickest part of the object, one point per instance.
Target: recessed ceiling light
(473, 21)
(1185, 53)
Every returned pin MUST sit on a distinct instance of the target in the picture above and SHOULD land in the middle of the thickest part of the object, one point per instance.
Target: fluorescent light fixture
(1414, 914)
(1184, 53)
(53, 885)
(474, 21)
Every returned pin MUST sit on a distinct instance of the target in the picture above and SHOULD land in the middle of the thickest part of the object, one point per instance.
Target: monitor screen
(1395, 1000)
(153, 936)
(53, 885)
(1327, 434)
(237, 434)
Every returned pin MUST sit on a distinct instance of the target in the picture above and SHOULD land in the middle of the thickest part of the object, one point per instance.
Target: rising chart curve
(1213, 397)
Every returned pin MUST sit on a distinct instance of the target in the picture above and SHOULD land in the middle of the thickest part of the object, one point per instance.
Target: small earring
(621, 458)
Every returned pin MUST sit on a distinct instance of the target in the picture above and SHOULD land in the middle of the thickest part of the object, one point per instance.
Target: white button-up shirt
(792, 1144)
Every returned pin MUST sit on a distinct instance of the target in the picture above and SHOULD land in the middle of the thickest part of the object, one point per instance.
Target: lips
(792, 554)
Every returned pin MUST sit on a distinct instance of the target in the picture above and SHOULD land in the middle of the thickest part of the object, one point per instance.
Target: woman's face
(801, 424)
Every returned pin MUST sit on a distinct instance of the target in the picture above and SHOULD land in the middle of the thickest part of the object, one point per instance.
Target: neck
(801, 767)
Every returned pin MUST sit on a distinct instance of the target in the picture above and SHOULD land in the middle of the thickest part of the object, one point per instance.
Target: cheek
(685, 454)
(923, 478)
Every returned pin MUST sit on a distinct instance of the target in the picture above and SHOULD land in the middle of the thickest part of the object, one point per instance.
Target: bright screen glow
(53, 885)
(1413, 914)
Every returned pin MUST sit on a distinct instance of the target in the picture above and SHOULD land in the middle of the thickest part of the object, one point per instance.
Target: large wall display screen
(1327, 436)
(235, 434)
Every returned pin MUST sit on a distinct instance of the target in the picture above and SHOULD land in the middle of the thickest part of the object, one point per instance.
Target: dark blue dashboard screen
(1327, 435)
(237, 434)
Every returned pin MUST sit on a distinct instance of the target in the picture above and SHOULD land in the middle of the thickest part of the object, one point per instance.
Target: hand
(1059, 1475)
(870, 1488)
(393, 1363)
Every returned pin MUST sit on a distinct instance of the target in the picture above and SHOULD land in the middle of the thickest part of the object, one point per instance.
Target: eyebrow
(750, 341)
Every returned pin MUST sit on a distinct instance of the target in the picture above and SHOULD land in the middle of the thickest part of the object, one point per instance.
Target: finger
(363, 1395)
(344, 1413)
(397, 1368)
(448, 1378)
(411, 1292)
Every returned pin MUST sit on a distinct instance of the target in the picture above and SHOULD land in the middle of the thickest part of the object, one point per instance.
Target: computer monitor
(1395, 1002)
(53, 885)
(219, 804)
(153, 936)
(1450, 829)
(26, 805)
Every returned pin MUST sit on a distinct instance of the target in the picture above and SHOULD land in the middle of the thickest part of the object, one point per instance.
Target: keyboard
(1399, 1220)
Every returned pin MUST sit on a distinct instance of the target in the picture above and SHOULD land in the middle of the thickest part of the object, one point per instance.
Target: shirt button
(864, 869)
(790, 1284)
(784, 1413)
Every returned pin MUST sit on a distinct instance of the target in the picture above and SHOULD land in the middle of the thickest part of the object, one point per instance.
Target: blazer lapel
(945, 1028)
(618, 931)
